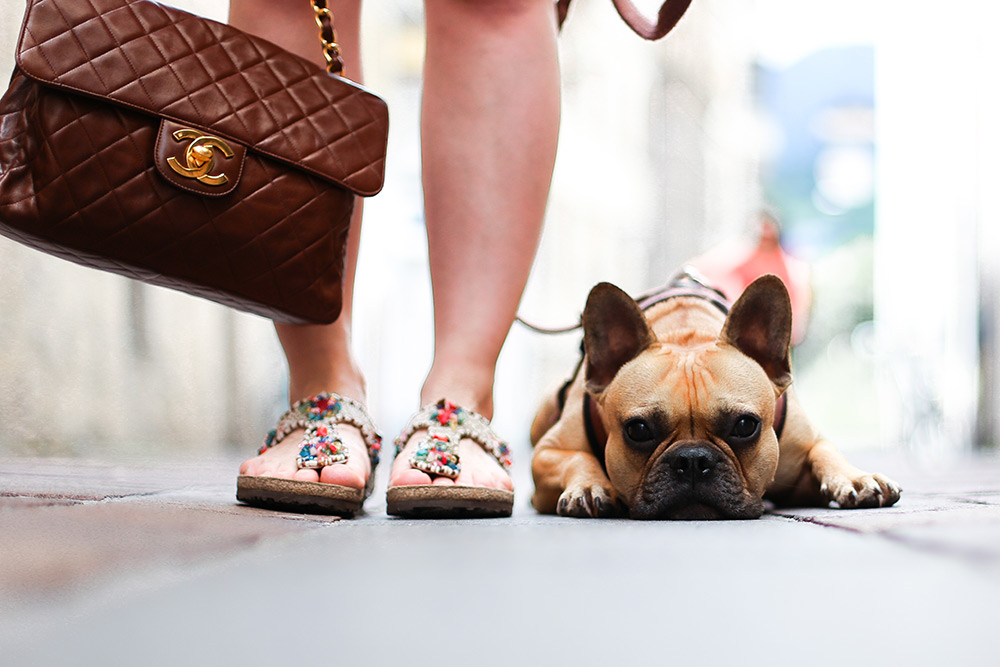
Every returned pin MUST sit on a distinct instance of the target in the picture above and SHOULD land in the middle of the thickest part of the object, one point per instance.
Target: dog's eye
(638, 431)
(746, 427)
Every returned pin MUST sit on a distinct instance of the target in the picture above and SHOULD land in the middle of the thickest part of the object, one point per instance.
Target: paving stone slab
(170, 567)
(221, 502)
(890, 518)
(986, 498)
(910, 505)
(97, 480)
(972, 539)
(31, 502)
(544, 590)
(54, 549)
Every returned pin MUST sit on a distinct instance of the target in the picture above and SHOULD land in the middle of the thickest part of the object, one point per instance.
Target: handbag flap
(189, 69)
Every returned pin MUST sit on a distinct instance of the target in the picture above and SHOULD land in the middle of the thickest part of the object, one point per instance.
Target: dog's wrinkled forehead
(678, 380)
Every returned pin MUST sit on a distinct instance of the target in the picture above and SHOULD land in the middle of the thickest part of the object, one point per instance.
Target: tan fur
(692, 372)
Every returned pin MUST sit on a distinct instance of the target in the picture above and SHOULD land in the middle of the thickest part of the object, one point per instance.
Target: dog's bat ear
(614, 332)
(760, 326)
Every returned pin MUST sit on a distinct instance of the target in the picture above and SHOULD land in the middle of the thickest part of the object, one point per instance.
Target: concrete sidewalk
(153, 562)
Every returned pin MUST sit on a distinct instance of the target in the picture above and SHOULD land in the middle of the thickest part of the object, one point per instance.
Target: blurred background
(866, 127)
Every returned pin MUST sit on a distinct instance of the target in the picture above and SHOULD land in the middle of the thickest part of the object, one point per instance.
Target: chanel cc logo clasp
(200, 156)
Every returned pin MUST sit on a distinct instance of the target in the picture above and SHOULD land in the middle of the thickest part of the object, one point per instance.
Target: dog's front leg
(812, 472)
(848, 486)
(571, 482)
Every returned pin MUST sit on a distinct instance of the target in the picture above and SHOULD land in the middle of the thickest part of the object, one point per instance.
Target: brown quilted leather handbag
(163, 146)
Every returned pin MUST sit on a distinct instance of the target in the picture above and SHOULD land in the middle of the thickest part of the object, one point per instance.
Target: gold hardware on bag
(200, 157)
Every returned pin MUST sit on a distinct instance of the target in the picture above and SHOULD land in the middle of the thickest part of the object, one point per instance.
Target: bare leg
(319, 357)
(489, 128)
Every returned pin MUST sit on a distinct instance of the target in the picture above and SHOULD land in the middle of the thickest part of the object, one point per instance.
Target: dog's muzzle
(694, 480)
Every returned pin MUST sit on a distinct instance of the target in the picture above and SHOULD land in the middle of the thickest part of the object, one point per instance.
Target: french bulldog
(679, 410)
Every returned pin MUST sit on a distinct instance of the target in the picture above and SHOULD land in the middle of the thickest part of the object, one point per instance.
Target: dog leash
(548, 331)
(670, 13)
(686, 282)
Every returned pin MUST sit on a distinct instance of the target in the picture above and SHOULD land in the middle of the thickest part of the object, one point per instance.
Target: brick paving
(153, 562)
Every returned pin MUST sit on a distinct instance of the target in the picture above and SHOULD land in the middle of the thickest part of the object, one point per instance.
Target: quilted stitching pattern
(193, 70)
(77, 178)
(71, 187)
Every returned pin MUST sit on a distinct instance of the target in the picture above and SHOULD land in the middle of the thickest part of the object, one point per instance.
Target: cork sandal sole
(292, 495)
(433, 501)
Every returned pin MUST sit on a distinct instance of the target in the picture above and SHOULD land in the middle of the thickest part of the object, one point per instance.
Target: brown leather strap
(597, 436)
(670, 13)
(780, 414)
(686, 282)
(328, 38)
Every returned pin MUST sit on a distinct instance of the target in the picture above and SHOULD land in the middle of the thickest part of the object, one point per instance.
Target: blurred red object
(732, 266)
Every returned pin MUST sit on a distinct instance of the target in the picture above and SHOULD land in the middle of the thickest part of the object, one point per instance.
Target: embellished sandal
(447, 424)
(320, 416)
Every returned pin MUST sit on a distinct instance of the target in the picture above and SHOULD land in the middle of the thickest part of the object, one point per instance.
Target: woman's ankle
(345, 379)
(470, 387)
(320, 359)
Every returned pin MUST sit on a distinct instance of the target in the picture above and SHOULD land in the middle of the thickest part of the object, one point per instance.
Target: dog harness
(686, 283)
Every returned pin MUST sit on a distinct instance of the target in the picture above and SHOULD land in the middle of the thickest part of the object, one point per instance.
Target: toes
(342, 475)
(501, 480)
(875, 491)
(410, 477)
(605, 505)
(840, 491)
(889, 490)
(471, 475)
(478, 469)
(870, 493)
(864, 491)
(588, 502)
(572, 504)
(477, 472)
(303, 475)
(269, 467)
(279, 461)
(578, 506)
(353, 472)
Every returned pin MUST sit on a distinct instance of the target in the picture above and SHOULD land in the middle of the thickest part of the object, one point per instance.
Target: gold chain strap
(328, 37)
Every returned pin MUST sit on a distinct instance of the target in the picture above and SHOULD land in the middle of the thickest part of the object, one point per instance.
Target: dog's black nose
(693, 463)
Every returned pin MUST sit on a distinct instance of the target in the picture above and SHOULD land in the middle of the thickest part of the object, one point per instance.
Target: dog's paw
(860, 490)
(590, 501)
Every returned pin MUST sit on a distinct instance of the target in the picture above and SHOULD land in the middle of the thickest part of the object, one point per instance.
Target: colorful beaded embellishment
(321, 446)
(319, 415)
(446, 425)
